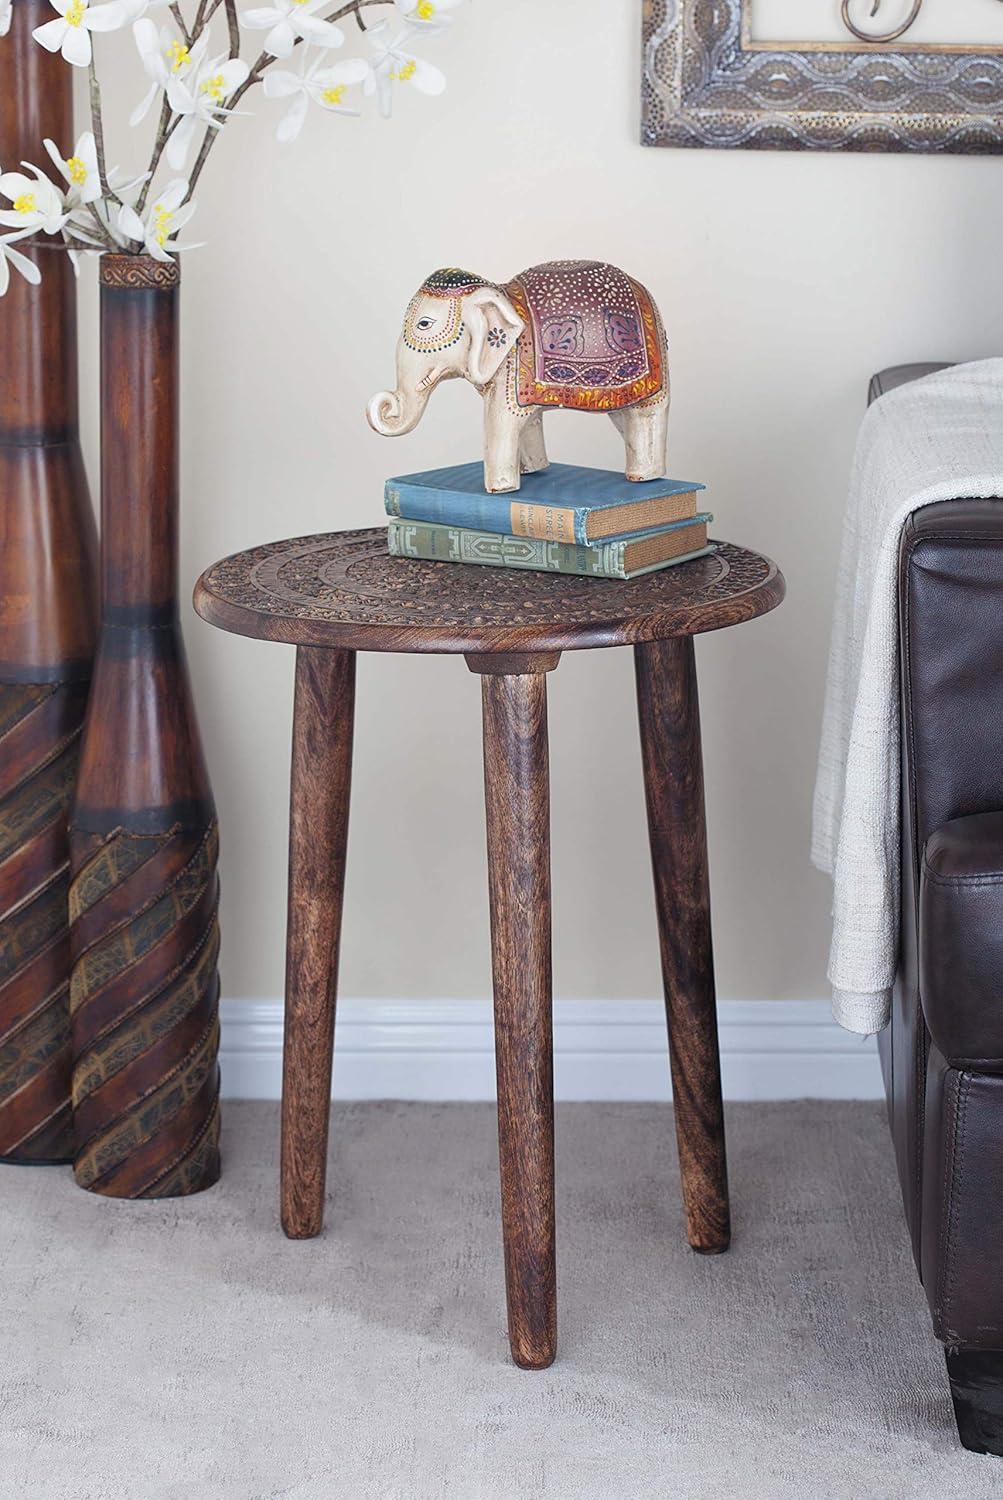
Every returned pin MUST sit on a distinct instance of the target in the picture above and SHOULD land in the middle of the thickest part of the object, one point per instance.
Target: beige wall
(784, 280)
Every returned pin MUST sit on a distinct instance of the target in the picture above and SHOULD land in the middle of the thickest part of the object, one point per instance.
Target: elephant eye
(424, 323)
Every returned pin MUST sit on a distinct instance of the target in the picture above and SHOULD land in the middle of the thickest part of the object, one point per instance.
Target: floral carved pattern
(348, 582)
(704, 85)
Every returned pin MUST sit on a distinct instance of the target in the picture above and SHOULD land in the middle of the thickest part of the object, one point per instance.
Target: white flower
(287, 20)
(70, 33)
(6, 11)
(427, 14)
(81, 220)
(36, 202)
(83, 179)
(164, 56)
(199, 99)
(164, 217)
(394, 64)
(325, 86)
(9, 257)
(80, 170)
(122, 184)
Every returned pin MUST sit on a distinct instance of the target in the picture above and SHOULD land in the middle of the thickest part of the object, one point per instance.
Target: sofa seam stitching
(959, 882)
(919, 1061)
(942, 1237)
(957, 1164)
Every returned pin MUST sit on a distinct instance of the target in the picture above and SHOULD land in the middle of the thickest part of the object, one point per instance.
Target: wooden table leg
(517, 794)
(669, 717)
(323, 719)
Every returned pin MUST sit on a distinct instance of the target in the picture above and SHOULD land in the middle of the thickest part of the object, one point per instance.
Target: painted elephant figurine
(578, 334)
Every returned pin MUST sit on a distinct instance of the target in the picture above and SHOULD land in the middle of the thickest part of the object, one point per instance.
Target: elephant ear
(494, 327)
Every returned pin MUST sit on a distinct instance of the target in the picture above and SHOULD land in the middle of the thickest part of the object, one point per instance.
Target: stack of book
(566, 519)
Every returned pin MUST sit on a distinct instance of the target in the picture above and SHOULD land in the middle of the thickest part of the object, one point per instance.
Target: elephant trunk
(392, 413)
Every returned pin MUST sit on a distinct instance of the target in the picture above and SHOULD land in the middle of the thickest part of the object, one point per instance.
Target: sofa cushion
(961, 940)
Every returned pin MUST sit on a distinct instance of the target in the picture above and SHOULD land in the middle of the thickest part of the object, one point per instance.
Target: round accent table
(332, 596)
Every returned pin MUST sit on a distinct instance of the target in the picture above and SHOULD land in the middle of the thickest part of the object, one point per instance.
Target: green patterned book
(626, 558)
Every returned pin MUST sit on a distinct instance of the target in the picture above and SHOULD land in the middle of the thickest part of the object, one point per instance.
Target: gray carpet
(186, 1349)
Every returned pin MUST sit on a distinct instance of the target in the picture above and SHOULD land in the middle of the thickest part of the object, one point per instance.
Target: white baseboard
(603, 1049)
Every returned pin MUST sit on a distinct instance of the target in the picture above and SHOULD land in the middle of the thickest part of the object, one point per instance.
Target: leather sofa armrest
(888, 380)
(950, 585)
(961, 941)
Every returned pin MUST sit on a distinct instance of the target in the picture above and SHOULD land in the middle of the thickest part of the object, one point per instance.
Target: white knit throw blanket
(939, 438)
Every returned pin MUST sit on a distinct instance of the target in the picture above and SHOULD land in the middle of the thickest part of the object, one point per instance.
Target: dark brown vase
(143, 841)
(48, 621)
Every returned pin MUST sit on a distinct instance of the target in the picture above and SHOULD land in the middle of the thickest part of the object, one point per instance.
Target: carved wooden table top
(344, 589)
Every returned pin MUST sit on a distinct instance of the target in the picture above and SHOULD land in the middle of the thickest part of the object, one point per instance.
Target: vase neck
(38, 388)
(139, 439)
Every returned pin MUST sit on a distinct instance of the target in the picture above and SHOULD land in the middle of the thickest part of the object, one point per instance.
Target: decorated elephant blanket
(592, 341)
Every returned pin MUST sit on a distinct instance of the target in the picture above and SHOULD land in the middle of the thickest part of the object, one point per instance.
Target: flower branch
(256, 74)
(233, 26)
(179, 21)
(101, 209)
(266, 59)
(160, 141)
(101, 228)
(97, 122)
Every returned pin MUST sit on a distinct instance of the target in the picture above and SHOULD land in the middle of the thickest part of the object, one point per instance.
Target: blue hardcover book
(564, 503)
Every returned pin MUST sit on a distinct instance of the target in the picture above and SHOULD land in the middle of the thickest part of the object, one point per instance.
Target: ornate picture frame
(707, 83)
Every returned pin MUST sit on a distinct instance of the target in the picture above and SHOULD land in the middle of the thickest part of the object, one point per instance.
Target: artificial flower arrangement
(89, 208)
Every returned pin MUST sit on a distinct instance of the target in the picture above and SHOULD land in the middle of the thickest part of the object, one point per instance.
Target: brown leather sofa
(942, 1056)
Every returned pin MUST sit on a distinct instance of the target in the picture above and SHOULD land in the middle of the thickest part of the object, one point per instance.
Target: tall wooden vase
(48, 620)
(143, 899)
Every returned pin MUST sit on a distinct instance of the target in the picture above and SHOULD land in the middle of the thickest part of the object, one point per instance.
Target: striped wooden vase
(48, 619)
(143, 899)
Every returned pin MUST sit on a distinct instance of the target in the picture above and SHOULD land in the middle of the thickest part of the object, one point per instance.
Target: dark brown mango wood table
(332, 596)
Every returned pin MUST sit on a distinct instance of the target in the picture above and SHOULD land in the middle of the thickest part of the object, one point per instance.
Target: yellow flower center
(26, 204)
(162, 224)
(407, 72)
(215, 87)
(178, 56)
(74, 14)
(77, 171)
(335, 95)
(424, 10)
